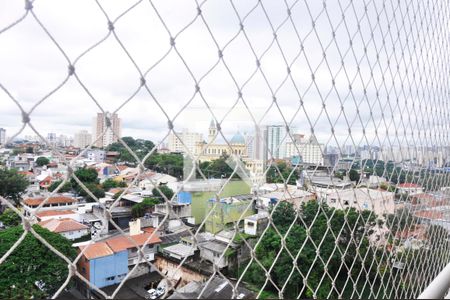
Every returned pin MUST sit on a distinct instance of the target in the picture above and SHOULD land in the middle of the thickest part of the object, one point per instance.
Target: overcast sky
(379, 61)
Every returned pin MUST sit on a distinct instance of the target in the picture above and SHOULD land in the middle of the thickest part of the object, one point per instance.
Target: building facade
(111, 134)
(189, 139)
(275, 145)
(2, 136)
(236, 145)
(309, 150)
(82, 139)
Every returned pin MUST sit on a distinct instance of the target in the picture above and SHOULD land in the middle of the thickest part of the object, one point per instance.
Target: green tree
(42, 161)
(93, 188)
(138, 210)
(139, 146)
(109, 184)
(354, 175)
(279, 172)
(10, 218)
(32, 262)
(283, 216)
(67, 187)
(12, 184)
(86, 175)
(165, 190)
(168, 163)
(317, 225)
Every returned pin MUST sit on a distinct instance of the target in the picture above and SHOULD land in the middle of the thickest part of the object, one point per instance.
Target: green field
(199, 199)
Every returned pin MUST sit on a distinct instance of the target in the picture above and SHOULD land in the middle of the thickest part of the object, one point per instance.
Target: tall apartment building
(275, 142)
(309, 149)
(52, 138)
(257, 147)
(65, 141)
(2, 136)
(100, 125)
(82, 139)
(190, 140)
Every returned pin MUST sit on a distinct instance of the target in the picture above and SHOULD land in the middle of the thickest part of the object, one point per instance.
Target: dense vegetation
(352, 246)
(32, 264)
(10, 218)
(89, 177)
(280, 171)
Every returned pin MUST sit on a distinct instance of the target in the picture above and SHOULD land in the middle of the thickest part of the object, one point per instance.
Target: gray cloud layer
(381, 66)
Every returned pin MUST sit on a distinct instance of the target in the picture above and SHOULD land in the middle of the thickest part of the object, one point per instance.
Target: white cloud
(32, 66)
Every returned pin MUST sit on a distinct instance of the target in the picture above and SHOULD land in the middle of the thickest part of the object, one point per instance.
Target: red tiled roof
(48, 178)
(26, 173)
(62, 225)
(97, 250)
(429, 214)
(50, 213)
(115, 190)
(417, 232)
(121, 243)
(51, 200)
(408, 185)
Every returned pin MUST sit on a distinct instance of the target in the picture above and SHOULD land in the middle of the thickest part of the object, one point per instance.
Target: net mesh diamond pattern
(367, 75)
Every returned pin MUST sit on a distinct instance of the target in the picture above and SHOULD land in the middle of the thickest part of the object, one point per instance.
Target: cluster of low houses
(166, 231)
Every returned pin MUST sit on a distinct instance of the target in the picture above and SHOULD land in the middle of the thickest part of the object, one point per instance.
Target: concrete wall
(187, 275)
(72, 235)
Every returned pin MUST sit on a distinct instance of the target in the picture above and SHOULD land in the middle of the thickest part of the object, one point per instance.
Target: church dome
(238, 138)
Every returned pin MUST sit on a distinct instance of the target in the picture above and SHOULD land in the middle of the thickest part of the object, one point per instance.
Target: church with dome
(215, 149)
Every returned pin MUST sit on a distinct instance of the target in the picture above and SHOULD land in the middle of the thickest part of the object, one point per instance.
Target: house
(177, 212)
(107, 262)
(379, 201)
(102, 266)
(151, 179)
(187, 246)
(45, 183)
(53, 203)
(273, 193)
(214, 252)
(67, 227)
(122, 243)
(255, 224)
(409, 189)
(180, 251)
(57, 214)
(228, 210)
(95, 155)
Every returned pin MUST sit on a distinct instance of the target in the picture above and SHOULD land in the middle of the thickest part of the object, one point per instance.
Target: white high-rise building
(100, 126)
(258, 144)
(189, 139)
(275, 146)
(82, 139)
(2, 136)
(309, 149)
(65, 141)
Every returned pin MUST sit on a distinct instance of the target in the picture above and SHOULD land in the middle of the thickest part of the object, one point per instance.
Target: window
(83, 270)
(110, 278)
